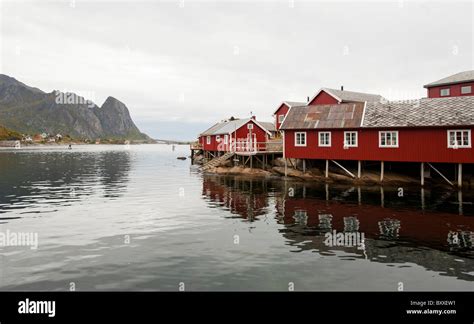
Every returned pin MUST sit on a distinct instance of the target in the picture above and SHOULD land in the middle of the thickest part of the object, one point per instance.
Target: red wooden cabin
(236, 135)
(324, 96)
(429, 130)
(459, 84)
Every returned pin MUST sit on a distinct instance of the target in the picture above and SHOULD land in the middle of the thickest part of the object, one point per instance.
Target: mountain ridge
(30, 110)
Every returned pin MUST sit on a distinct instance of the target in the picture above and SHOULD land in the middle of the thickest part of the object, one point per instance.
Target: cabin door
(251, 141)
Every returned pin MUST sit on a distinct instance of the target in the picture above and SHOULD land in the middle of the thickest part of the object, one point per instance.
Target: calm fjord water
(111, 218)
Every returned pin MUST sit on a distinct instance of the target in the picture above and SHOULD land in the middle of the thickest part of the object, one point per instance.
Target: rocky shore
(369, 177)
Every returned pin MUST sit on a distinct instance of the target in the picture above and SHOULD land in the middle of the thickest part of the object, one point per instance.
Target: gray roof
(353, 96)
(426, 112)
(346, 115)
(460, 77)
(453, 111)
(290, 104)
(294, 103)
(227, 127)
(268, 126)
(212, 129)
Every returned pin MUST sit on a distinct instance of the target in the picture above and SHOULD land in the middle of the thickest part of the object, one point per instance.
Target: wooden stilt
(286, 167)
(422, 198)
(382, 167)
(251, 160)
(359, 196)
(359, 169)
(304, 165)
(422, 171)
(460, 175)
(382, 197)
(343, 168)
(442, 175)
(327, 169)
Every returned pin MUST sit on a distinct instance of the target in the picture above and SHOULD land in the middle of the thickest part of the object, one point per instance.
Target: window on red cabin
(350, 139)
(466, 89)
(250, 126)
(444, 92)
(388, 139)
(300, 139)
(280, 118)
(325, 139)
(459, 138)
(208, 140)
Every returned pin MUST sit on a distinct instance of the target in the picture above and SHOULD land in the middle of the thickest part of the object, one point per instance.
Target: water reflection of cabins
(396, 237)
(247, 199)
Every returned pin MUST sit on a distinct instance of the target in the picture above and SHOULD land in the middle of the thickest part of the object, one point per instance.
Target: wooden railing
(196, 146)
(254, 147)
(244, 146)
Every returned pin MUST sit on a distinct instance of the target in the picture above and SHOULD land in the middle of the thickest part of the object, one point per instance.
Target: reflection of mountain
(57, 177)
(435, 241)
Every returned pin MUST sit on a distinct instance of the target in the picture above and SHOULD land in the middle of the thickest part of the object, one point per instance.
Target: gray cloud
(209, 60)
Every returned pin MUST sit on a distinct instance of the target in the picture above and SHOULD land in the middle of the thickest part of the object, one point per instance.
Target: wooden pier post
(422, 172)
(304, 165)
(286, 167)
(359, 195)
(460, 175)
(382, 197)
(327, 168)
(422, 198)
(359, 169)
(381, 170)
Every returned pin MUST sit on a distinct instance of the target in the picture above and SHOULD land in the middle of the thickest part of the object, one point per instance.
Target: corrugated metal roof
(290, 104)
(348, 115)
(465, 76)
(450, 111)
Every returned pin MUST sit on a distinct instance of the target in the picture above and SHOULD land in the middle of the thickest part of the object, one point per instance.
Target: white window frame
(226, 139)
(446, 95)
(250, 126)
(356, 142)
(218, 138)
(466, 87)
(301, 144)
(391, 145)
(324, 144)
(208, 140)
(455, 131)
(281, 118)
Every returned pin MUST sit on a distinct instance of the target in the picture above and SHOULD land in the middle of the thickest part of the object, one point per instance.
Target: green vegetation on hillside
(9, 135)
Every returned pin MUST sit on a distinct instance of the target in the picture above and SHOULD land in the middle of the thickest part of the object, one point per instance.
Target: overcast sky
(181, 66)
